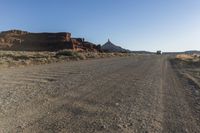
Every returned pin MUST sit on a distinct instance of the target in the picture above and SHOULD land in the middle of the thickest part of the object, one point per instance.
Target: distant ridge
(192, 52)
(110, 47)
(184, 52)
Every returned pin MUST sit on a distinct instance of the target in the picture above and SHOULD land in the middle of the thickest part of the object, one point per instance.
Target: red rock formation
(22, 40)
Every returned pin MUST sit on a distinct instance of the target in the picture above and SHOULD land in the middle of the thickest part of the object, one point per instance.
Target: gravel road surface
(137, 94)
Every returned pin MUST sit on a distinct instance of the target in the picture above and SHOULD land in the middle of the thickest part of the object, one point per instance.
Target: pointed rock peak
(110, 47)
(109, 41)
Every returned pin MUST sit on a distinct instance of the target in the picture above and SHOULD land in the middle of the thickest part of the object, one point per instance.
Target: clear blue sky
(169, 25)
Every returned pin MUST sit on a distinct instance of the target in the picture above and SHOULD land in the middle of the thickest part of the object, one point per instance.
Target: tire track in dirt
(129, 94)
(178, 116)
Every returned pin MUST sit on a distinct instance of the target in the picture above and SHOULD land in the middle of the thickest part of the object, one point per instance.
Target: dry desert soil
(135, 94)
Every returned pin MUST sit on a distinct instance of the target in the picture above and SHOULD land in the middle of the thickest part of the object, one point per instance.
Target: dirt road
(126, 94)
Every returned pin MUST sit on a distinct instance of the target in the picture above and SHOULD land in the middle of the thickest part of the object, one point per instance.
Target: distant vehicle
(159, 52)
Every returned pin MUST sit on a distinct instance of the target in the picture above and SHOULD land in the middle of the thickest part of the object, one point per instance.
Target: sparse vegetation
(20, 58)
(66, 53)
(184, 56)
(186, 60)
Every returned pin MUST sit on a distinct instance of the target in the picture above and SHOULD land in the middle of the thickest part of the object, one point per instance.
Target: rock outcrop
(110, 47)
(18, 40)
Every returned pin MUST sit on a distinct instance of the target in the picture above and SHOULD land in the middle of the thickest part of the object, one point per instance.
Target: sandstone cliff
(18, 40)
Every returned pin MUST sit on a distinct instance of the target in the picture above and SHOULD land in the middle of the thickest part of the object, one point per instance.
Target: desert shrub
(81, 56)
(184, 63)
(70, 54)
(21, 57)
(92, 55)
(65, 53)
(184, 56)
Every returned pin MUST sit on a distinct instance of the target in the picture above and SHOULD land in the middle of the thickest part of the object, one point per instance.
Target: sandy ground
(124, 94)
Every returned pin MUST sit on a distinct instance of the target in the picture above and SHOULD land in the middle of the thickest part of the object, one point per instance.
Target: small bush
(21, 57)
(70, 54)
(65, 53)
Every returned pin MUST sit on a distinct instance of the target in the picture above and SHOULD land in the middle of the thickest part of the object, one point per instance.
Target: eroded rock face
(21, 40)
(110, 47)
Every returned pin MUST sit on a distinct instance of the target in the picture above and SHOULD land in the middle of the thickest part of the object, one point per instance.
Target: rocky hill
(18, 40)
(110, 47)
